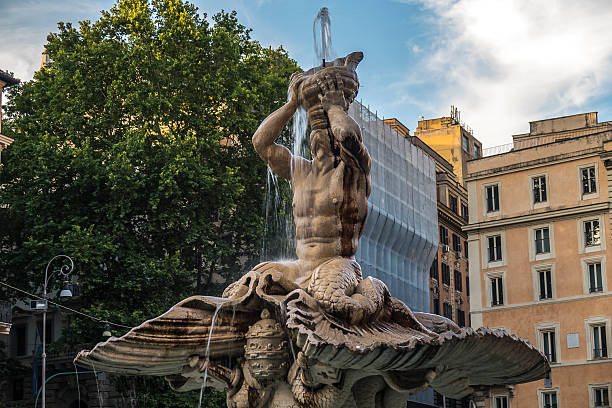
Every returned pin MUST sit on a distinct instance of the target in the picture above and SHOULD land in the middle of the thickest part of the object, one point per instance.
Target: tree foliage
(132, 155)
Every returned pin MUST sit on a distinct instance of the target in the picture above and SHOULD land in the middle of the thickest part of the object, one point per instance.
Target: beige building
(539, 244)
(451, 139)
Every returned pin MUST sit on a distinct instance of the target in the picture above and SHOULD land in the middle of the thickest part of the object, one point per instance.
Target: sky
(503, 63)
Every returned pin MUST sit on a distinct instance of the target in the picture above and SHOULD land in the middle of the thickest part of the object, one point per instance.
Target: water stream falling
(207, 353)
(100, 398)
(76, 372)
(229, 343)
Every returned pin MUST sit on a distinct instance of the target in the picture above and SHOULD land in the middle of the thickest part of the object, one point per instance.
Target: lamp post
(63, 271)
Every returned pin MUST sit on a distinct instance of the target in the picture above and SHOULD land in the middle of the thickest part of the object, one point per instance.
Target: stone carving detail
(313, 332)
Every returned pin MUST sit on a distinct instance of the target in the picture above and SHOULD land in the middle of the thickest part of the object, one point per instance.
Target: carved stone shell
(267, 349)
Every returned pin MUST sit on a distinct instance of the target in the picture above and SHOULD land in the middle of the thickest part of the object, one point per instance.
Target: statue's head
(343, 68)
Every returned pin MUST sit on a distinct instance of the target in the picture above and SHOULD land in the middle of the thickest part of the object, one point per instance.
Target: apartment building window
(495, 250)
(436, 306)
(465, 249)
(476, 151)
(448, 310)
(445, 274)
(460, 318)
(595, 281)
(457, 244)
(492, 198)
(545, 284)
(589, 181)
(539, 189)
(465, 143)
(600, 343)
(497, 291)
(591, 233)
(433, 271)
(542, 241)
(501, 402)
(465, 212)
(600, 396)
(443, 235)
(467, 285)
(458, 281)
(549, 399)
(453, 204)
(549, 345)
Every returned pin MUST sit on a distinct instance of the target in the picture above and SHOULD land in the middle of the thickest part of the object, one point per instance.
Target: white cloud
(504, 63)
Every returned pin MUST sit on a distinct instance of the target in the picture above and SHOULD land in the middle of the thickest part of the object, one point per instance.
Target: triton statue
(313, 332)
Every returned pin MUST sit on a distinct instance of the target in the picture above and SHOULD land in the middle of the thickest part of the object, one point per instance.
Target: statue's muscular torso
(329, 209)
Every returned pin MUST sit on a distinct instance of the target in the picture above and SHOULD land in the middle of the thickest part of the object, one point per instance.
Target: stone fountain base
(275, 346)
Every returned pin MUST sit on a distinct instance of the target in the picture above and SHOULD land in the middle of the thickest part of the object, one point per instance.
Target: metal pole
(63, 271)
(44, 341)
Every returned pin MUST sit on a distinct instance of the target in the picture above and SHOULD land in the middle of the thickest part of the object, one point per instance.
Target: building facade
(539, 242)
(451, 139)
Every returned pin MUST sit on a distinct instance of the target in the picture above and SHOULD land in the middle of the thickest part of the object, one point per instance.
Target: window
(476, 151)
(492, 198)
(467, 285)
(597, 337)
(465, 249)
(465, 212)
(539, 189)
(501, 402)
(458, 281)
(600, 346)
(542, 241)
(595, 282)
(497, 291)
(460, 318)
(445, 274)
(465, 143)
(591, 233)
(443, 235)
(549, 346)
(457, 244)
(453, 204)
(433, 271)
(589, 182)
(545, 284)
(549, 399)
(436, 306)
(495, 251)
(448, 310)
(600, 397)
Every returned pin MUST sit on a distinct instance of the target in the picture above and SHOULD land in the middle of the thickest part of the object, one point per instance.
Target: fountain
(313, 332)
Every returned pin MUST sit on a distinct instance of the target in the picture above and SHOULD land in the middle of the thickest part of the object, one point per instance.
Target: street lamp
(63, 271)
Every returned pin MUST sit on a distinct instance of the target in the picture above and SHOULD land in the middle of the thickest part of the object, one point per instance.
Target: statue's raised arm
(278, 157)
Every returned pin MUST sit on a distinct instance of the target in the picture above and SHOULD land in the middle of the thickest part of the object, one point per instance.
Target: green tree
(132, 155)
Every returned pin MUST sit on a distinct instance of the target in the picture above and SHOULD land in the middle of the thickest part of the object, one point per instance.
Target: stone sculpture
(313, 332)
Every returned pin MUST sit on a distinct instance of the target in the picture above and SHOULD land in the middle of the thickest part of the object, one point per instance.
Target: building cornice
(542, 303)
(545, 161)
(530, 218)
(450, 217)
